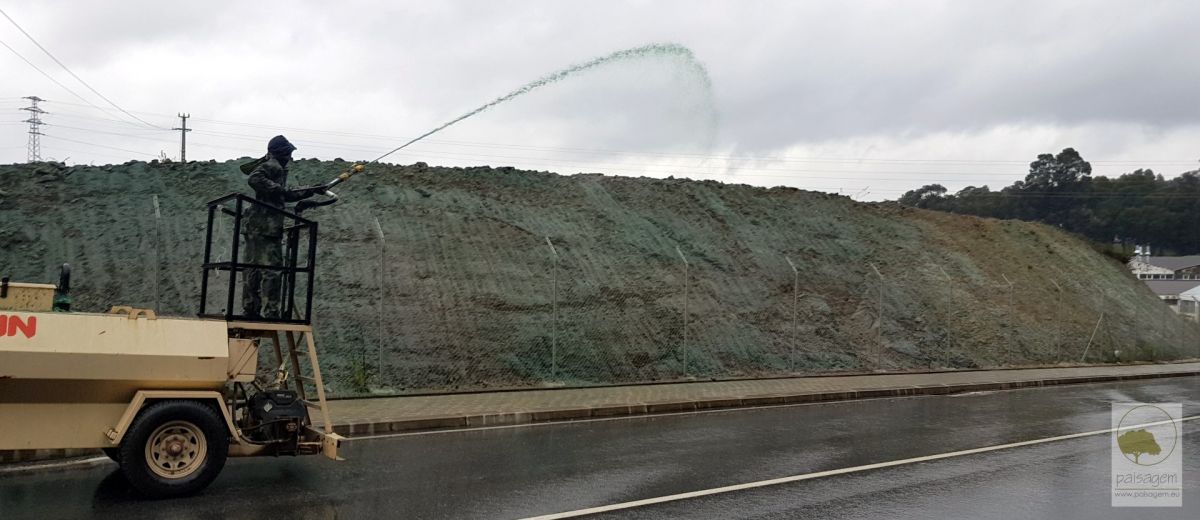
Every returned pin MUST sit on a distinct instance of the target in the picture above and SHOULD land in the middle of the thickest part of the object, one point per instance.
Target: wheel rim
(176, 449)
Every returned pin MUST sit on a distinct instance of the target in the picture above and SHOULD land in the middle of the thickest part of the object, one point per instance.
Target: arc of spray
(621, 55)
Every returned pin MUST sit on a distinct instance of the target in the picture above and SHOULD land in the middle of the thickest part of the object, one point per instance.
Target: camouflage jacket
(269, 181)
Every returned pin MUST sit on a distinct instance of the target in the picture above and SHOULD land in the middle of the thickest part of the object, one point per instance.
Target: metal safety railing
(300, 235)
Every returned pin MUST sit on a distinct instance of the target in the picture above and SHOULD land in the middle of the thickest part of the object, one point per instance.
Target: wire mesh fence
(472, 299)
(452, 314)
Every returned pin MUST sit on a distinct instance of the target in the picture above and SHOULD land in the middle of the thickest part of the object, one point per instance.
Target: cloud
(927, 80)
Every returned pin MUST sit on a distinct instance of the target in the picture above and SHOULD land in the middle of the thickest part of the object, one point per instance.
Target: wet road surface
(527, 471)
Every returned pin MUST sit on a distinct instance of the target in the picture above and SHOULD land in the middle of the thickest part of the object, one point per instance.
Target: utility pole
(183, 130)
(34, 149)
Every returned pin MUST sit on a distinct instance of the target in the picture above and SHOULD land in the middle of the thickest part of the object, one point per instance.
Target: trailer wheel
(174, 448)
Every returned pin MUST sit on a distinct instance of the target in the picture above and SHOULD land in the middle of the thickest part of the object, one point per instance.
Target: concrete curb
(441, 422)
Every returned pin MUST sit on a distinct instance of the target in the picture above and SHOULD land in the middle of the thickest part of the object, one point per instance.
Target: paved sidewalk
(371, 416)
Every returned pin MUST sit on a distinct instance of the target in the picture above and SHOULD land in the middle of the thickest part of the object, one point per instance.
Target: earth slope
(469, 290)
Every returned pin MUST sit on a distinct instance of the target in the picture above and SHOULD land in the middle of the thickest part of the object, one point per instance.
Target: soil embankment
(469, 299)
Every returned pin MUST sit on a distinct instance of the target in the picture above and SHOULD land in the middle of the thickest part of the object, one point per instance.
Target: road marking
(832, 472)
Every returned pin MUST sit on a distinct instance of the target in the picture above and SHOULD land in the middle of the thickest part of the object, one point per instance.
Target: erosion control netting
(470, 292)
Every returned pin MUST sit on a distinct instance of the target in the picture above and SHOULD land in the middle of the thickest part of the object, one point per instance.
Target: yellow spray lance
(324, 189)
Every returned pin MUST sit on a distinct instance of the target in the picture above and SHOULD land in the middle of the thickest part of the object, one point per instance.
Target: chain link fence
(478, 292)
(426, 318)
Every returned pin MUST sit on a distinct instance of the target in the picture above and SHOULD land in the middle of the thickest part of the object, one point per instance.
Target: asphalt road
(535, 470)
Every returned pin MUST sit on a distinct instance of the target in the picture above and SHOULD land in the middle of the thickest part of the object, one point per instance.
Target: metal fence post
(554, 310)
(1059, 326)
(686, 268)
(157, 249)
(1162, 323)
(949, 315)
(382, 291)
(1196, 318)
(1011, 315)
(879, 328)
(795, 313)
(1089, 343)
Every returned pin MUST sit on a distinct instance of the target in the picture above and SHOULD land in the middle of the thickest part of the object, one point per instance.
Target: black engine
(276, 417)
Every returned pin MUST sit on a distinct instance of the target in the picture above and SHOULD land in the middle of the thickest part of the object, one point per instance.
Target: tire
(174, 448)
(113, 453)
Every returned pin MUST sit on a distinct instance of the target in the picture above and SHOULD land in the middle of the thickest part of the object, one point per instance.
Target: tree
(924, 197)
(1138, 443)
(1140, 206)
(1050, 172)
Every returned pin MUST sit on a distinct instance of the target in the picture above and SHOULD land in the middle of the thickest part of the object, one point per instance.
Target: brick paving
(358, 417)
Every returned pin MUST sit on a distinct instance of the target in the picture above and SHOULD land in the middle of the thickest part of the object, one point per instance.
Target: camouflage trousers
(261, 293)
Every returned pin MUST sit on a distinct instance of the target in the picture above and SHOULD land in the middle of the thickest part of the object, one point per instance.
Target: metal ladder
(293, 347)
(299, 377)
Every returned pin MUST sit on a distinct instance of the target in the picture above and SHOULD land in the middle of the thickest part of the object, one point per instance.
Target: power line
(73, 75)
(100, 145)
(51, 78)
(663, 154)
(123, 123)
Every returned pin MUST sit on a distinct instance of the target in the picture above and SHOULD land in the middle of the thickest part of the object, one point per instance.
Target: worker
(263, 229)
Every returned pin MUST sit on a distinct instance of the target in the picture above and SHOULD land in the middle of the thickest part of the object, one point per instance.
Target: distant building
(1174, 279)
(1147, 267)
(1189, 303)
(1170, 291)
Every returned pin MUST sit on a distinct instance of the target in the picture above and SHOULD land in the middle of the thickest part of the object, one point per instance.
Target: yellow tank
(65, 379)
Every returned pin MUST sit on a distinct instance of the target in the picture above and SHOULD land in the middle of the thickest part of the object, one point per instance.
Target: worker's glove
(306, 192)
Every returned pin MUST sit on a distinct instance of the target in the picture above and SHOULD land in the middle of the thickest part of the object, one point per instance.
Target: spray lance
(325, 189)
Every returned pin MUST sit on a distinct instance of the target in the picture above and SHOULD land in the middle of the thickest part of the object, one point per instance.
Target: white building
(1189, 303)
(1147, 267)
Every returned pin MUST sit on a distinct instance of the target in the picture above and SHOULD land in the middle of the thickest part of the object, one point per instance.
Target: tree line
(1140, 207)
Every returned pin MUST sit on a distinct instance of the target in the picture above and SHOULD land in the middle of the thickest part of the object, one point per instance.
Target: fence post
(382, 291)
(157, 260)
(1089, 343)
(1059, 326)
(1011, 315)
(1196, 319)
(879, 328)
(686, 266)
(949, 314)
(795, 313)
(554, 311)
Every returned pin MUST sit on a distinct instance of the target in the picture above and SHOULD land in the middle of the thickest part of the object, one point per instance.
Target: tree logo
(1138, 443)
(1149, 445)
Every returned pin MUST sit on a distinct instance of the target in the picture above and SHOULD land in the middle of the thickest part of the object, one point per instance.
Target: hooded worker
(263, 228)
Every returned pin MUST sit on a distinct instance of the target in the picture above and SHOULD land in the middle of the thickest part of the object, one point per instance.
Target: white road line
(829, 473)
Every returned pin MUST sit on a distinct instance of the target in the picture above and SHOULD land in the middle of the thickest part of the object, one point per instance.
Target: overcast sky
(866, 98)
